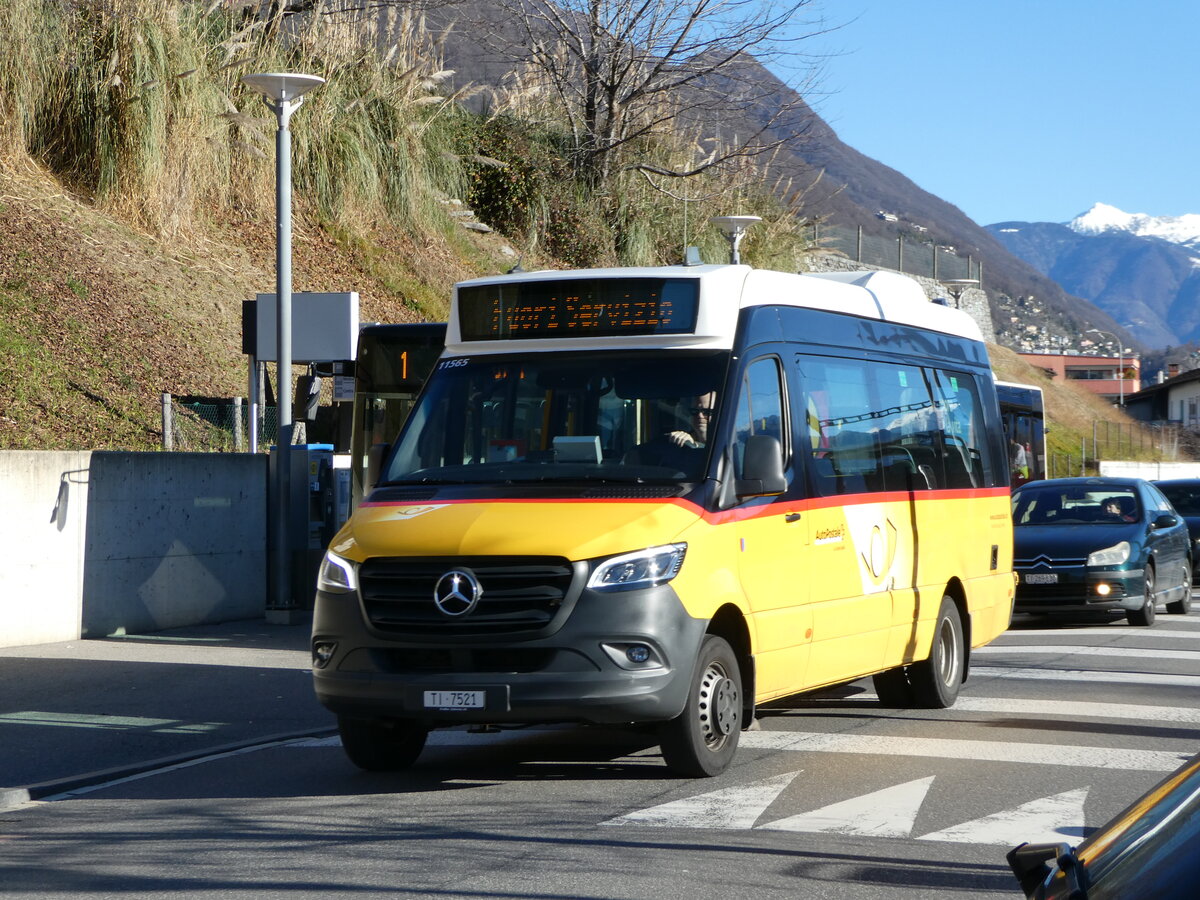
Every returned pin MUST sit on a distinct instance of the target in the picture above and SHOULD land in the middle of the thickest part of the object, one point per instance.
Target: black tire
(701, 741)
(1143, 616)
(1183, 605)
(935, 681)
(894, 689)
(382, 745)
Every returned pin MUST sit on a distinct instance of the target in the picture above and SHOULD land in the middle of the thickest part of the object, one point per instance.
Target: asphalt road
(1056, 731)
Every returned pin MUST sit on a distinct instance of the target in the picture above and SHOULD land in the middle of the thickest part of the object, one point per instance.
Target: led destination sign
(592, 307)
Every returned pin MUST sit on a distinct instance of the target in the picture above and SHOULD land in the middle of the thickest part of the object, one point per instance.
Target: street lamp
(957, 287)
(734, 228)
(283, 92)
(1120, 363)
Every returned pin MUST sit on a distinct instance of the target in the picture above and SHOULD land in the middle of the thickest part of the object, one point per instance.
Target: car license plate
(455, 699)
(1041, 578)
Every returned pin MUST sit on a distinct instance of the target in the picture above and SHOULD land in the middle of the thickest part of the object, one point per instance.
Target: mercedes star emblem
(457, 592)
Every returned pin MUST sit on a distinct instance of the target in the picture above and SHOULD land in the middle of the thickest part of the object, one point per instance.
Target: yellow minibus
(667, 495)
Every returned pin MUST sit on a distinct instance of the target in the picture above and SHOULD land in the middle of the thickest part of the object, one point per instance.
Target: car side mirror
(375, 458)
(762, 468)
(1166, 520)
(1032, 863)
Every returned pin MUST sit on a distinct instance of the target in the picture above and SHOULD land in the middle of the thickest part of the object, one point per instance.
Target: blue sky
(1028, 110)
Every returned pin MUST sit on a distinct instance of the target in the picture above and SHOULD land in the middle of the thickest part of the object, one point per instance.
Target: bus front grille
(518, 593)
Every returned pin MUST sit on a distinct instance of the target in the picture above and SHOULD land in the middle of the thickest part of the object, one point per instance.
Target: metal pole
(900, 254)
(168, 426)
(1121, 373)
(253, 404)
(283, 350)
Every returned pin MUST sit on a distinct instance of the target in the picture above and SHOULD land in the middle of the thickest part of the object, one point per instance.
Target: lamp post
(283, 92)
(1120, 363)
(957, 287)
(734, 228)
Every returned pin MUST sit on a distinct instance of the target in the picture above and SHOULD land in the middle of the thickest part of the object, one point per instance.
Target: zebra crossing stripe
(890, 812)
(982, 751)
(1078, 710)
(1045, 820)
(735, 807)
(1069, 650)
(1088, 677)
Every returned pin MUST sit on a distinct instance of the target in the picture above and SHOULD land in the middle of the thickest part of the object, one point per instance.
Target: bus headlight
(642, 568)
(1110, 556)
(337, 575)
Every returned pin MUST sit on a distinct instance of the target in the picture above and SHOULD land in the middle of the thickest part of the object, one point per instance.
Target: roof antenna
(734, 228)
(517, 269)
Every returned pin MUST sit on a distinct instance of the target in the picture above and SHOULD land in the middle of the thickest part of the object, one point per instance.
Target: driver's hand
(682, 439)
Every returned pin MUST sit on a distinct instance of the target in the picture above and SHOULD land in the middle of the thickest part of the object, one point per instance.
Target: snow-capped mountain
(1103, 218)
(1142, 270)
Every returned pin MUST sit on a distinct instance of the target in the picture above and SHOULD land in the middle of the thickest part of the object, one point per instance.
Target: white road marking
(1078, 711)
(984, 751)
(890, 812)
(1165, 628)
(107, 722)
(1057, 818)
(1080, 650)
(735, 807)
(1087, 677)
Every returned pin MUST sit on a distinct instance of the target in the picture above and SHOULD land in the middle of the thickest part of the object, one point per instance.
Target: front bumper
(575, 669)
(1080, 589)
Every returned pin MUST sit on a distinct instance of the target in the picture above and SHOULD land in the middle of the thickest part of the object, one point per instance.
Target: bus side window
(760, 409)
(905, 422)
(843, 452)
(966, 449)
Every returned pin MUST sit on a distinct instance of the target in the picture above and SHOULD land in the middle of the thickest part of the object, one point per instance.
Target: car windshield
(1047, 504)
(1184, 497)
(601, 416)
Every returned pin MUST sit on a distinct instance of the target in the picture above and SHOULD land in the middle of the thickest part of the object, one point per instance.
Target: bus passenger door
(772, 538)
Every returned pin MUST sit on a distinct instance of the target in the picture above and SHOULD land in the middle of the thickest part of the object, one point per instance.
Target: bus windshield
(637, 416)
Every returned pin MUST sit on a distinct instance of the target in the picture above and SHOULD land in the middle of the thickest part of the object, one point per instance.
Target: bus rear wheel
(935, 681)
(382, 745)
(701, 741)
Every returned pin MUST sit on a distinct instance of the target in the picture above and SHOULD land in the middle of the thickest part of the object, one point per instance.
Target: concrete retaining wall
(105, 543)
(1151, 471)
(974, 301)
(43, 499)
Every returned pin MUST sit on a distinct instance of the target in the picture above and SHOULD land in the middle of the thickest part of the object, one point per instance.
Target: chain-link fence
(904, 253)
(215, 425)
(1123, 441)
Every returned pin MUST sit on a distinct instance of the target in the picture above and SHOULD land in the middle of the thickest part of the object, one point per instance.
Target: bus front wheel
(382, 745)
(701, 741)
(935, 681)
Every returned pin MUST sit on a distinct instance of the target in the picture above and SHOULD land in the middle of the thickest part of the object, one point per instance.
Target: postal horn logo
(457, 592)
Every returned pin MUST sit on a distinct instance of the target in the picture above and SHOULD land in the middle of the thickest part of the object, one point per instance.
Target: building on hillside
(1175, 401)
(1113, 378)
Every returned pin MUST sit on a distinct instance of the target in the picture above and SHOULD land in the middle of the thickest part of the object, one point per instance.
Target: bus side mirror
(375, 460)
(762, 468)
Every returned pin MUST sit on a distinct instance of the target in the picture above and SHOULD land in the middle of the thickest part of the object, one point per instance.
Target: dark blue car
(1146, 851)
(1099, 544)
(1184, 494)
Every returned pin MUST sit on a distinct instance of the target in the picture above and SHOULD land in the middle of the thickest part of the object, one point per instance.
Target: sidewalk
(82, 712)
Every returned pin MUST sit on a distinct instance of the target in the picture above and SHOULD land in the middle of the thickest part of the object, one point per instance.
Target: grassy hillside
(1074, 416)
(137, 200)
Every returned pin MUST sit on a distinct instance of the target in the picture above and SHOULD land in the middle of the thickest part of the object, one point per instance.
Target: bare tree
(625, 70)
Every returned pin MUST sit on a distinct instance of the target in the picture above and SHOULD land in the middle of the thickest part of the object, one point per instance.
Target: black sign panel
(579, 307)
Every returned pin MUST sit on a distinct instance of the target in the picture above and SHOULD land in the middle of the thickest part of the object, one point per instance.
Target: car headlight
(337, 575)
(642, 568)
(1110, 556)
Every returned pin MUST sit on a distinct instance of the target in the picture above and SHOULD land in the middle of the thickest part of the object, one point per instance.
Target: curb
(12, 797)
